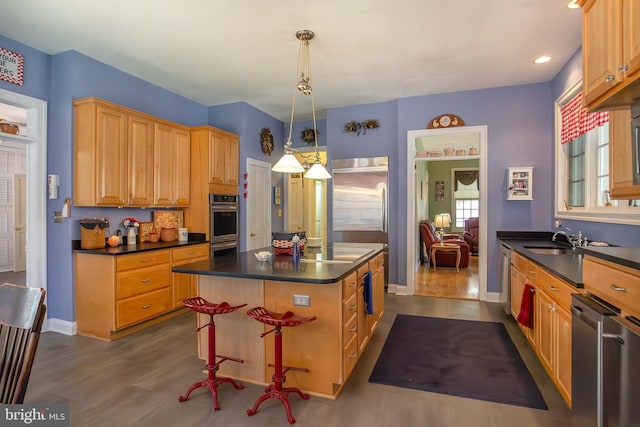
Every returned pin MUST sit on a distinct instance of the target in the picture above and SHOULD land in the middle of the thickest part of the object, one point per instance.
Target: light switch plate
(303, 300)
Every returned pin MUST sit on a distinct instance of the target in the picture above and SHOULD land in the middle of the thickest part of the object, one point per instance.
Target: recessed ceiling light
(573, 4)
(542, 59)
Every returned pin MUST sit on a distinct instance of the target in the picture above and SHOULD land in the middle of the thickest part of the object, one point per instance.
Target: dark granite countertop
(566, 266)
(328, 264)
(629, 257)
(140, 247)
(569, 265)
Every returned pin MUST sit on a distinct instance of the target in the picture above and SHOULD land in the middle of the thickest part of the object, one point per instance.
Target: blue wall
(520, 133)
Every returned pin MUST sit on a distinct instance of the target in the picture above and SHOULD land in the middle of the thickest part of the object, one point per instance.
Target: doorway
(449, 187)
(306, 201)
(33, 140)
(444, 137)
(258, 204)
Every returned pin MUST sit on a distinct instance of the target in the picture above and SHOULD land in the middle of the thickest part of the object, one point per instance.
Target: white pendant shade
(288, 164)
(317, 171)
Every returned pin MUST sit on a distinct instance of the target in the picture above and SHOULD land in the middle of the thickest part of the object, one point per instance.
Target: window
(582, 165)
(466, 195)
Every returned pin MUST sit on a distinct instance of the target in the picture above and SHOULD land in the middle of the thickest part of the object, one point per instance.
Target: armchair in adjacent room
(471, 226)
(428, 237)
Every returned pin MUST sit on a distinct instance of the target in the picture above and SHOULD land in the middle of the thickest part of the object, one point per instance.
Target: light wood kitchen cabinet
(617, 284)
(621, 184)
(114, 293)
(611, 53)
(362, 324)
(208, 144)
(123, 157)
(186, 285)
(551, 333)
(377, 269)
(140, 160)
(100, 154)
(172, 165)
(223, 163)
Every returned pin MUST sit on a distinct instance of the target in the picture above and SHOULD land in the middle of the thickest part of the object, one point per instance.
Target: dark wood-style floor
(136, 381)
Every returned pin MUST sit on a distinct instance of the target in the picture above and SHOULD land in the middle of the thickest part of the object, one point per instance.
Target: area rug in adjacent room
(462, 358)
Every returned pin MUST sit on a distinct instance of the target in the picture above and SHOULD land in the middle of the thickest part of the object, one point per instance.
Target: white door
(258, 204)
(294, 203)
(20, 221)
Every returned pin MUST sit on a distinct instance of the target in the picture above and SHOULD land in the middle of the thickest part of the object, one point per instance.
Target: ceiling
(364, 51)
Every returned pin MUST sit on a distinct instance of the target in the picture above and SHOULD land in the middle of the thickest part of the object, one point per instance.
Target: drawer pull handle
(146, 306)
(352, 285)
(147, 280)
(145, 260)
(553, 288)
(619, 289)
(353, 307)
(190, 253)
(532, 272)
(353, 355)
(352, 330)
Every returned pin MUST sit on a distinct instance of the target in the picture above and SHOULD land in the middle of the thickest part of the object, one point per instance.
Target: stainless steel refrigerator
(360, 202)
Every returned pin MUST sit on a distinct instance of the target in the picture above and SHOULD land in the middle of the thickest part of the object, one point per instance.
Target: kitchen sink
(548, 250)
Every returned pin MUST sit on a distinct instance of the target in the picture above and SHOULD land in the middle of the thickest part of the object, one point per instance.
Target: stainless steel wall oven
(223, 221)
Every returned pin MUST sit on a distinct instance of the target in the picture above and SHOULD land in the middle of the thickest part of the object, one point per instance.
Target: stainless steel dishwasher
(504, 278)
(605, 370)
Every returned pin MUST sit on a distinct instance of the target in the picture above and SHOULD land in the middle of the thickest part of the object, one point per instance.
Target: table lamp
(442, 220)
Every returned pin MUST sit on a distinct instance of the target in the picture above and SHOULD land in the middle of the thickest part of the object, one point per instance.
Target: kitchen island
(327, 282)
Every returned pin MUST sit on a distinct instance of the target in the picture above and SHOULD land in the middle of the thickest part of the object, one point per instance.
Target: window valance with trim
(577, 121)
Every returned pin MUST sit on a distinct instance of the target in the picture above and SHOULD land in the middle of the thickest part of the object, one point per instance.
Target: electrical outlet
(303, 300)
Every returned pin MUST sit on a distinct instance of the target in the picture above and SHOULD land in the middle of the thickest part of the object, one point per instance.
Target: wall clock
(445, 121)
(266, 141)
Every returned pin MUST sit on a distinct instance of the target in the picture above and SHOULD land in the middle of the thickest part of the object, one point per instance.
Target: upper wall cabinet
(611, 53)
(100, 155)
(172, 164)
(126, 158)
(223, 162)
(621, 157)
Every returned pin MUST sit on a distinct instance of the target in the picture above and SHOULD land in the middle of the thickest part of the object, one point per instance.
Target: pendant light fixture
(288, 163)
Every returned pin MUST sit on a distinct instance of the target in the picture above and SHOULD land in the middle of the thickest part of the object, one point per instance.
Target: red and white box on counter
(283, 242)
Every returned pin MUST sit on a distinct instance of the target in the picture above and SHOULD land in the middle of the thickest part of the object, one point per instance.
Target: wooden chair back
(22, 312)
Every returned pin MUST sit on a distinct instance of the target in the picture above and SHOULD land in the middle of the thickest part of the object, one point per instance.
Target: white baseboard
(61, 326)
(493, 297)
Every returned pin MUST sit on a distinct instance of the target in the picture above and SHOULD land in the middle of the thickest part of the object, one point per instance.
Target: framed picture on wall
(439, 191)
(276, 195)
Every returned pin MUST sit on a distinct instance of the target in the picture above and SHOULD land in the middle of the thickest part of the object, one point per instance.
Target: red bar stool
(275, 389)
(200, 305)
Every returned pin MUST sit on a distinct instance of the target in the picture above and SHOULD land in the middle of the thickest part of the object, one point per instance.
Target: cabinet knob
(609, 78)
(253, 234)
(623, 68)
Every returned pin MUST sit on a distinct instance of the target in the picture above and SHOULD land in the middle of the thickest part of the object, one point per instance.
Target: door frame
(19, 253)
(412, 260)
(251, 187)
(36, 147)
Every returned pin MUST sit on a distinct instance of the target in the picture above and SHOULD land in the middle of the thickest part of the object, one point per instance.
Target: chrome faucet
(574, 241)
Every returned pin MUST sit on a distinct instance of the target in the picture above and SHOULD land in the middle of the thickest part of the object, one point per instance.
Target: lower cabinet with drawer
(551, 333)
(118, 295)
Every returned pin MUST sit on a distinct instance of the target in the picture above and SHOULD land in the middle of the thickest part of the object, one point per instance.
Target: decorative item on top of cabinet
(445, 121)
(610, 52)
(361, 127)
(520, 181)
